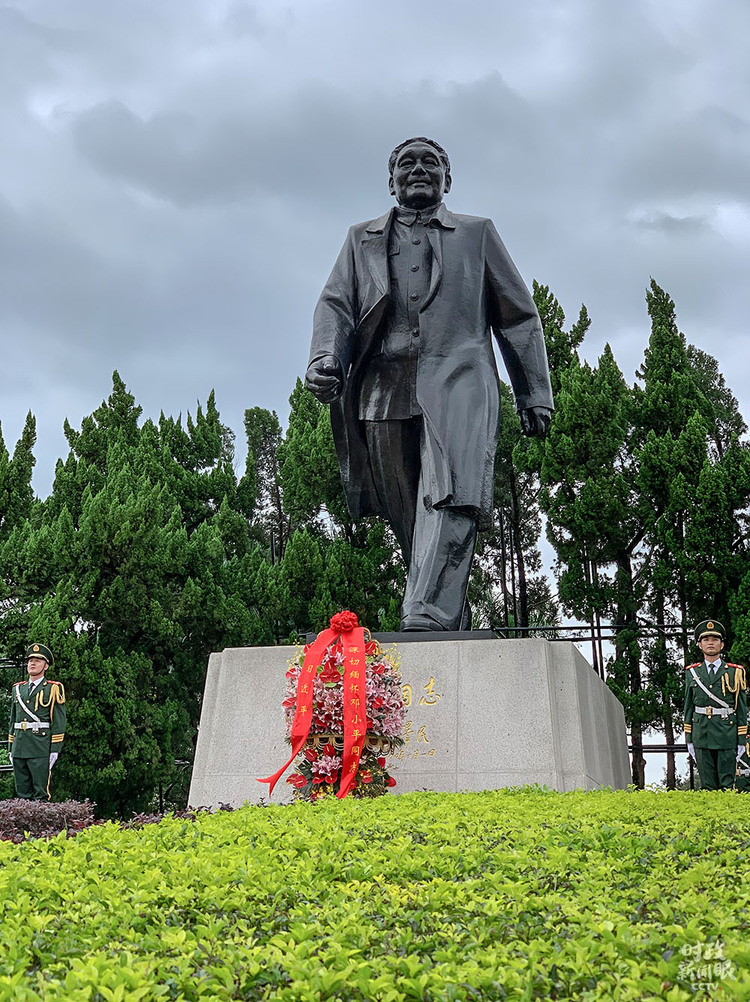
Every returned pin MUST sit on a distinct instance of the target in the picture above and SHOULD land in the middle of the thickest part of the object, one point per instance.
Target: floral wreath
(342, 721)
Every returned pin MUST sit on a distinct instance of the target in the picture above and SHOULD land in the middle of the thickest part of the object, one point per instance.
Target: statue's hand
(325, 379)
(535, 421)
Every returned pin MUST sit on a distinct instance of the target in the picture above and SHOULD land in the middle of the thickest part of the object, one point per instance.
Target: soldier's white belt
(715, 711)
(31, 725)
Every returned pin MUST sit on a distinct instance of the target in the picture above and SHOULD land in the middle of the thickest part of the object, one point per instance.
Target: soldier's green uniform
(37, 730)
(715, 713)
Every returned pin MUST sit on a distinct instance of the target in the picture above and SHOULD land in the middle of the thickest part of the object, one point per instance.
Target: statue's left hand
(535, 421)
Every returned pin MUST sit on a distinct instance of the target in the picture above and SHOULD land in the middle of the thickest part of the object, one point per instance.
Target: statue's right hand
(325, 379)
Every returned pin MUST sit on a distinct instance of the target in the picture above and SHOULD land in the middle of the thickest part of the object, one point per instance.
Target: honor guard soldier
(37, 726)
(715, 710)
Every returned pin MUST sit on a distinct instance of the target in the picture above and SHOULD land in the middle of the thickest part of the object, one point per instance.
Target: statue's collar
(410, 216)
(442, 217)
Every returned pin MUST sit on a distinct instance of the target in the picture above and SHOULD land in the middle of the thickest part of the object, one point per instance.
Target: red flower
(369, 724)
(289, 701)
(378, 668)
(297, 780)
(292, 673)
(365, 776)
(329, 749)
(391, 781)
(381, 762)
(319, 779)
(377, 702)
(312, 756)
(330, 674)
(344, 621)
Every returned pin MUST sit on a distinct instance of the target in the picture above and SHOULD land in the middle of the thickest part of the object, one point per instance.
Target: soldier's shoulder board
(731, 665)
(52, 681)
(696, 665)
(17, 683)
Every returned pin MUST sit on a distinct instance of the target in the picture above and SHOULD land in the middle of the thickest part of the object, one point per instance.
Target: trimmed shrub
(20, 819)
(509, 894)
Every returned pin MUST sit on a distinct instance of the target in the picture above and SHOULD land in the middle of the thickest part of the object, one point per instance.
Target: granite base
(482, 714)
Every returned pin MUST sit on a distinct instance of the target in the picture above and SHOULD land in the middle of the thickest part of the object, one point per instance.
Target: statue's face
(418, 177)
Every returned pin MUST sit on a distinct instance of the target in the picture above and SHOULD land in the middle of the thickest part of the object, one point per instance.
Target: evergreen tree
(596, 520)
(508, 587)
(562, 346)
(310, 480)
(692, 475)
(16, 493)
(261, 484)
(646, 496)
(16, 507)
(131, 571)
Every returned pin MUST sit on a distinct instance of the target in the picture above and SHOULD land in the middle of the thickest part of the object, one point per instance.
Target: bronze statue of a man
(401, 350)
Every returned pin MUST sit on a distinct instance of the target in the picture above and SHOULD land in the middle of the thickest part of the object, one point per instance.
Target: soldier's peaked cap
(710, 628)
(39, 651)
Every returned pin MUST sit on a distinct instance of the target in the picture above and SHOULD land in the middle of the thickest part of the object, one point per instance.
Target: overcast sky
(177, 178)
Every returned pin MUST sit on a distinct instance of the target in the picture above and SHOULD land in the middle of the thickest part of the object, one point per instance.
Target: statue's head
(420, 173)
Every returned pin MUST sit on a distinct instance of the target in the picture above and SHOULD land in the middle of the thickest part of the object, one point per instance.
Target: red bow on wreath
(343, 625)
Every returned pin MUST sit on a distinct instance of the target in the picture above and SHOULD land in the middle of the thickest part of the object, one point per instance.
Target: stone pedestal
(482, 714)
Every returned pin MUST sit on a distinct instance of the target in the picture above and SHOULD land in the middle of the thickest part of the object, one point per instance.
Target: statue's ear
(448, 183)
(391, 185)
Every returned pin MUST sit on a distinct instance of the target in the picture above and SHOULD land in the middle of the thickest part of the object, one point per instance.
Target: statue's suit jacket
(475, 289)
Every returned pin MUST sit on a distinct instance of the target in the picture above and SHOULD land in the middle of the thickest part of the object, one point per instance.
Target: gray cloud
(178, 177)
(666, 223)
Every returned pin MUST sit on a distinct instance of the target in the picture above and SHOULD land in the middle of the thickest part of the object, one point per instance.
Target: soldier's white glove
(53, 758)
(740, 751)
(11, 759)
(691, 751)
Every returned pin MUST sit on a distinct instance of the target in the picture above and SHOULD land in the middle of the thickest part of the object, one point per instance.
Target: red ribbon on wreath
(344, 625)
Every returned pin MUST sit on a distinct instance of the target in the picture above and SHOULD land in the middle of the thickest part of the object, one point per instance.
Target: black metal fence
(656, 749)
(596, 635)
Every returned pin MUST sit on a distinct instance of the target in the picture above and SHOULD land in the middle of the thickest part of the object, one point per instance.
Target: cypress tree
(692, 474)
(508, 587)
(261, 487)
(131, 571)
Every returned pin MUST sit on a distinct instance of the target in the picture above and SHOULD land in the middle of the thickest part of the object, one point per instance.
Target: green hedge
(522, 894)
